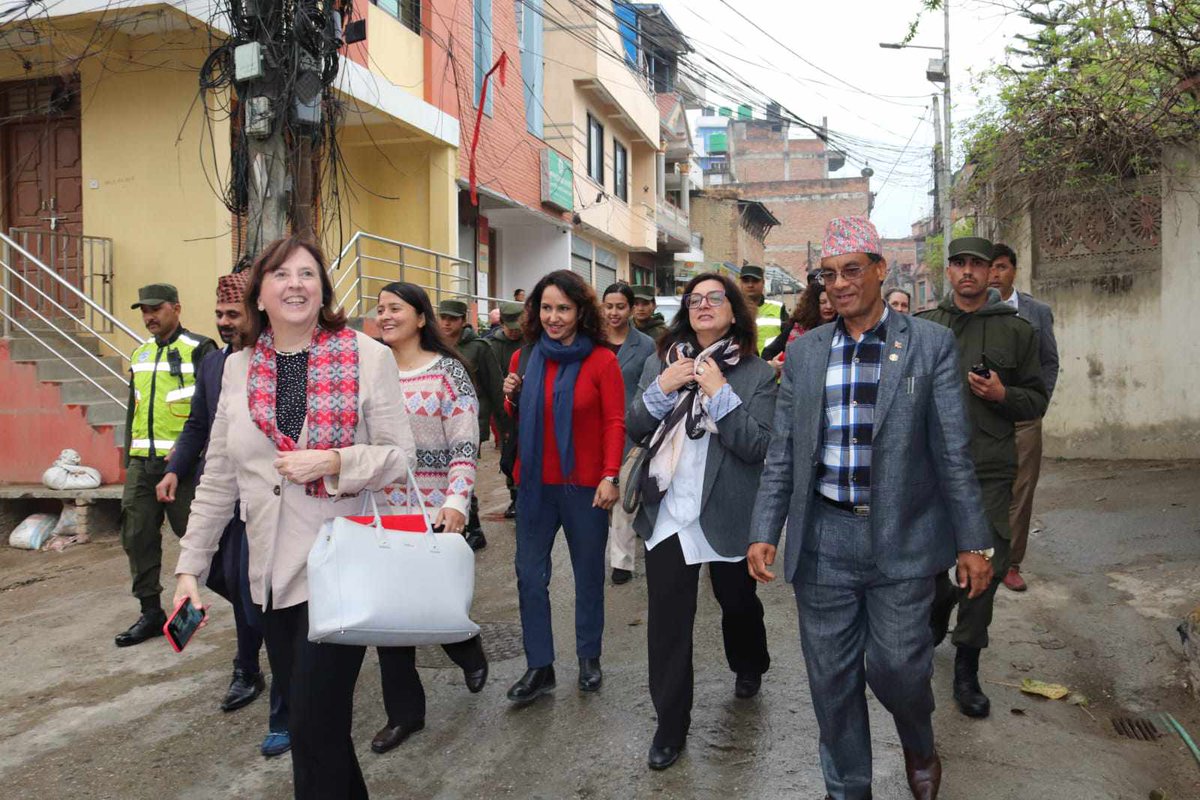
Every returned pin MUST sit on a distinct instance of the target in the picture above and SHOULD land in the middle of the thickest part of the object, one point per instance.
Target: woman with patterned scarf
(566, 392)
(707, 404)
(311, 414)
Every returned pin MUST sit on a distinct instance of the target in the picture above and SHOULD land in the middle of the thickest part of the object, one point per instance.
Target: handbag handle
(411, 491)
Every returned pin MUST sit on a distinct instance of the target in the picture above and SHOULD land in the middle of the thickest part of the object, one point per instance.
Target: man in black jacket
(229, 575)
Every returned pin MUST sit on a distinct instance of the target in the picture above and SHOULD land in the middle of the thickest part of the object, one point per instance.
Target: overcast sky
(843, 38)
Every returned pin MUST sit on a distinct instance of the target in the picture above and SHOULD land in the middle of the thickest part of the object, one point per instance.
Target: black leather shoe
(387, 738)
(243, 689)
(620, 576)
(967, 692)
(662, 757)
(476, 680)
(590, 676)
(476, 540)
(747, 685)
(533, 684)
(149, 625)
(511, 511)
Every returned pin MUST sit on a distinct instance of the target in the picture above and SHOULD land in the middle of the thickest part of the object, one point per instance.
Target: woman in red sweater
(566, 392)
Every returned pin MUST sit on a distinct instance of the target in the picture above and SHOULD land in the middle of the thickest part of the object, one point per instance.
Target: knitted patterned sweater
(443, 413)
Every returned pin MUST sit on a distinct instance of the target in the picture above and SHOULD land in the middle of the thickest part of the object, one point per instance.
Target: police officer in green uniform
(769, 314)
(505, 341)
(162, 382)
(489, 384)
(646, 317)
(999, 356)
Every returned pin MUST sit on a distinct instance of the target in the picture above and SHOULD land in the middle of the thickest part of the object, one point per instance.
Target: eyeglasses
(852, 273)
(695, 299)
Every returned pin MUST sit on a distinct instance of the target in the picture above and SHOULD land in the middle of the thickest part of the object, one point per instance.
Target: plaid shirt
(851, 384)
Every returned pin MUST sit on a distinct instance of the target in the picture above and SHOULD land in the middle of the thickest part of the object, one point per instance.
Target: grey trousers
(859, 628)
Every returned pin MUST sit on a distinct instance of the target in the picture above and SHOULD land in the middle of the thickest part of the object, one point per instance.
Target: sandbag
(67, 473)
(33, 531)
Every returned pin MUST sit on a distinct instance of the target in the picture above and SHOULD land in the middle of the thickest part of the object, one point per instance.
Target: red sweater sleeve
(612, 412)
(512, 367)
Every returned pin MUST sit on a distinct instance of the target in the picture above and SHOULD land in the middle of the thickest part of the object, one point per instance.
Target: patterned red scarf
(332, 393)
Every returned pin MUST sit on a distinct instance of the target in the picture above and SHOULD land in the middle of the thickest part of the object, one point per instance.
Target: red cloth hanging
(502, 65)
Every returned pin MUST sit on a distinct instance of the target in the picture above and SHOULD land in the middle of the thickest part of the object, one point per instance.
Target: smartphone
(182, 623)
(981, 371)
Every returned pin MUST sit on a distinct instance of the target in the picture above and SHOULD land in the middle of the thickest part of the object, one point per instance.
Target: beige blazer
(281, 520)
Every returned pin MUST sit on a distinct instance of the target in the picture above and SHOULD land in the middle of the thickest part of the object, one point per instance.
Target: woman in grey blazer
(709, 402)
(633, 348)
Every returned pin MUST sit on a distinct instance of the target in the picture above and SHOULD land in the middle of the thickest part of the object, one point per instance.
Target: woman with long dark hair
(443, 415)
(565, 390)
(709, 402)
(311, 415)
(814, 309)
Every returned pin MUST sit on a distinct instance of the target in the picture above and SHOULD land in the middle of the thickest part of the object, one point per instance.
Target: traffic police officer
(162, 382)
(770, 314)
(489, 385)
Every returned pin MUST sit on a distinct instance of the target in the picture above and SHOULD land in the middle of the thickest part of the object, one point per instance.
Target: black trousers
(672, 585)
(318, 681)
(403, 694)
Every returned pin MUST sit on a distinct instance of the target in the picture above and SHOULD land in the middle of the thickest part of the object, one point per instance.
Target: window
(620, 171)
(483, 49)
(407, 11)
(529, 34)
(595, 150)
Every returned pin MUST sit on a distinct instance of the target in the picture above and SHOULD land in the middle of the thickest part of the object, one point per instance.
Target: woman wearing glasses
(709, 402)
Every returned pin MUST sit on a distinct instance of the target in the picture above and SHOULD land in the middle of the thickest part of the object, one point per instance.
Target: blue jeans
(586, 529)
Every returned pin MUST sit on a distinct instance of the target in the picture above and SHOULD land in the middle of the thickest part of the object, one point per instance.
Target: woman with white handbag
(311, 414)
(443, 416)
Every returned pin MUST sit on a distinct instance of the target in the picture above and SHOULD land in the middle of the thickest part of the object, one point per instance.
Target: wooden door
(43, 195)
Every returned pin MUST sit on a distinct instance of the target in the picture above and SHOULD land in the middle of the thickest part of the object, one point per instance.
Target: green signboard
(558, 181)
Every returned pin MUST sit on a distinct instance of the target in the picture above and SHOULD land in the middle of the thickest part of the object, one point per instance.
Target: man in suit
(1029, 433)
(871, 468)
(230, 572)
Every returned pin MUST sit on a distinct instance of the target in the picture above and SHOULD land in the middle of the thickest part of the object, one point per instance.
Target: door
(43, 195)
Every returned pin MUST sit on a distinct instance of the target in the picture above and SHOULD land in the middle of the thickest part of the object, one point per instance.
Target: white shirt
(1012, 300)
(679, 512)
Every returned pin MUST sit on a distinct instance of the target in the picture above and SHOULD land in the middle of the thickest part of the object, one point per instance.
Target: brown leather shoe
(924, 774)
(387, 738)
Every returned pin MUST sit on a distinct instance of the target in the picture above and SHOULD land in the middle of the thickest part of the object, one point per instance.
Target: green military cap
(155, 294)
(971, 246)
(751, 271)
(643, 292)
(452, 308)
(510, 315)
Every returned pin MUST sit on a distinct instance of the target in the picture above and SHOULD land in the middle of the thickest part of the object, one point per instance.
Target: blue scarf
(532, 405)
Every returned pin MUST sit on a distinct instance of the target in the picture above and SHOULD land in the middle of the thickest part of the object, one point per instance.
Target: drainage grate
(501, 641)
(1139, 728)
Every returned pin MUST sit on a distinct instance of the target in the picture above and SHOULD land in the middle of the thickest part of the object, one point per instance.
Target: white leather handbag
(389, 580)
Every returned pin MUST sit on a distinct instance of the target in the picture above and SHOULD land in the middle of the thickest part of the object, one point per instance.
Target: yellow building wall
(396, 53)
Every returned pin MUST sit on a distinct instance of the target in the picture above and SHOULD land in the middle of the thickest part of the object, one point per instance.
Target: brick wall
(508, 156)
(760, 154)
(803, 208)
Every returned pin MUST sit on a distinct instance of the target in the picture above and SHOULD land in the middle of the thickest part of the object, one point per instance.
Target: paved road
(1114, 568)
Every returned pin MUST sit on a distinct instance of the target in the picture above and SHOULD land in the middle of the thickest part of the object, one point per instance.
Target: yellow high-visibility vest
(770, 322)
(162, 400)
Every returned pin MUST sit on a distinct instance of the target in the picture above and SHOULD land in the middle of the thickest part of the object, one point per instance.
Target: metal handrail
(352, 298)
(10, 271)
(12, 320)
(104, 313)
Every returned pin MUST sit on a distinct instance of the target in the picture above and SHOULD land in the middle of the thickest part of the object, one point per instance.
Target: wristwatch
(987, 554)
(614, 480)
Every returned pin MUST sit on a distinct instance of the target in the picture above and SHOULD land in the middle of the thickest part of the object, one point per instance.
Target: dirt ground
(1114, 567)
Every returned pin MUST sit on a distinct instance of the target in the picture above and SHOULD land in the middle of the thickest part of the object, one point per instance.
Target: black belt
(857, 509)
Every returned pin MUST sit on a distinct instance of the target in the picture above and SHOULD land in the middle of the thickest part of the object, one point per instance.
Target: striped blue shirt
(851, 386)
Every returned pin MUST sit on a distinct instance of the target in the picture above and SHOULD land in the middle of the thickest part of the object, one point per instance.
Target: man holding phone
(1002, 370)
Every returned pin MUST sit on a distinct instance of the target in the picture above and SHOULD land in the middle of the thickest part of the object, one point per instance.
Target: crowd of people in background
(900, 452)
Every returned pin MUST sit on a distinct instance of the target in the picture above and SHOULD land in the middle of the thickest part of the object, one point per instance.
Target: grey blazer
(926, 505)
(735, 454)
(1041, 317)
(632, 356)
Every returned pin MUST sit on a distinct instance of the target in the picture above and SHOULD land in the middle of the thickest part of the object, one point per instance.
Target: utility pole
(264, 121)
(947, 210)
(941, 196)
